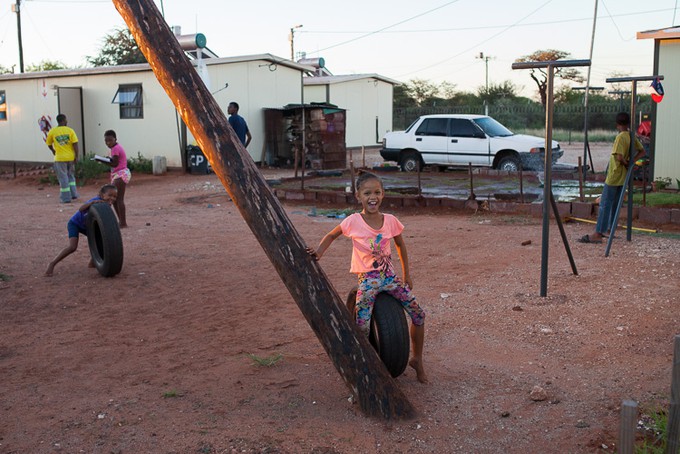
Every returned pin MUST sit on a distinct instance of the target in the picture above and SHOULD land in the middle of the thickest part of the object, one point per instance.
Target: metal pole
(304, 126)
(486, 102)
(586, 148)
(547, 186)
(631, 163)
(547, 181)
(21, 47)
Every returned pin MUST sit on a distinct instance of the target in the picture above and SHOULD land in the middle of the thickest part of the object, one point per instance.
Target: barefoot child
(120, 174)
(76, 225)
(371, 232)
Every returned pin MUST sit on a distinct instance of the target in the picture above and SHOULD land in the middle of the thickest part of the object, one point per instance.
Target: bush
(140, 164)
(88, 169)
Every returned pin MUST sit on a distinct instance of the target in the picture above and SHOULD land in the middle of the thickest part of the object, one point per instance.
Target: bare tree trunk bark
(356, 361)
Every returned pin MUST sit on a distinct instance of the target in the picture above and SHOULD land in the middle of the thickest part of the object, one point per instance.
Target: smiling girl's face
(370, 194)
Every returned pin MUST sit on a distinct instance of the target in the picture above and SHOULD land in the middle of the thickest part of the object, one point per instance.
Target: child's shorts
(123, 174)
(74, 230)
(374, 282)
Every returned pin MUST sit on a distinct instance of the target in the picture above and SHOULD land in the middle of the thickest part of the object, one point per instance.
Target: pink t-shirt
(117, 150)
(371, 248)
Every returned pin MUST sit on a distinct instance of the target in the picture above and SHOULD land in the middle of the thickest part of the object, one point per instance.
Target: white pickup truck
(455, 140)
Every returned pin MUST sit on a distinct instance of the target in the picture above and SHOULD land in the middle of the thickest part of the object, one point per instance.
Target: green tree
(45, 65)
(540, 75)
(421, 90)
(401, 98)
(119, 48)
(5, 70)
(497, 92)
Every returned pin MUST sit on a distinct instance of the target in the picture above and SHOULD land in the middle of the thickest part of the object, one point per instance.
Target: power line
(469, 49)
(385, 28)
(615, 24)
(490, 27)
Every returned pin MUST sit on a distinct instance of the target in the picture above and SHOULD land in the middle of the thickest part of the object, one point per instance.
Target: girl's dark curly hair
(363, 176)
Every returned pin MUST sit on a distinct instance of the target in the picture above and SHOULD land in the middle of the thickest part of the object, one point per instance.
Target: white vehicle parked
(454, 140)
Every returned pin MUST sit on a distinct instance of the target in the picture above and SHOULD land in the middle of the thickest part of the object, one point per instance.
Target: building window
(3, 106)
(129, 100)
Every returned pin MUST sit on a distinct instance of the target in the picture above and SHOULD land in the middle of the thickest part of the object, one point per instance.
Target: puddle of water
(457, 186)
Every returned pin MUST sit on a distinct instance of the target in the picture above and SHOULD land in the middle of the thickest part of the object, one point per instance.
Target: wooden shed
(323, 126)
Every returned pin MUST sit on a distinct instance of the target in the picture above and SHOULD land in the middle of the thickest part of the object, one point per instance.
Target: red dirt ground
(156, 358)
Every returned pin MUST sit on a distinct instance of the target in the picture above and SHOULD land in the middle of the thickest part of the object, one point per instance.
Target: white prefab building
(367, 99)
(665, 131)
(129, 100)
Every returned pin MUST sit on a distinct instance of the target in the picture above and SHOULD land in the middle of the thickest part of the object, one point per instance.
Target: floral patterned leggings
(374, 282)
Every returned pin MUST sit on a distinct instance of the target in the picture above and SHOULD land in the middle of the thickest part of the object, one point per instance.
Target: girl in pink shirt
(120, 174)
(371, 232)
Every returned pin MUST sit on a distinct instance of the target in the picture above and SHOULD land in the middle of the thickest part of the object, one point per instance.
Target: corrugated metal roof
(662, 33)
(274, 60)
(307, 106)
(328, 80)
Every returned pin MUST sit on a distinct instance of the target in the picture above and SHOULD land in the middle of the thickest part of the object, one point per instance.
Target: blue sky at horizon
(432, 40)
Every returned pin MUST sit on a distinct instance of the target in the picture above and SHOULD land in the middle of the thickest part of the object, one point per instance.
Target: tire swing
(389, 331)
(104, 239)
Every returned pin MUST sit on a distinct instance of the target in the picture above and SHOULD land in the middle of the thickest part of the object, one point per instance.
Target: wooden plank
(373, 388)
(628, 427)
(673, 427)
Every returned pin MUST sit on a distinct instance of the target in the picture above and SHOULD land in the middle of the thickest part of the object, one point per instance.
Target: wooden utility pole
(354, 358)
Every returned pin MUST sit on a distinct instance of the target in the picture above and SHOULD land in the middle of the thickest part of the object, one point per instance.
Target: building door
(70, 103)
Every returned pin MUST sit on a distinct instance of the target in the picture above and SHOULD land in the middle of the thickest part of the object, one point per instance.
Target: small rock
(526, 243)
(148, 224)
(505, 414)
(581, 424)
(538, 394)
(444, 295)
(517, 308)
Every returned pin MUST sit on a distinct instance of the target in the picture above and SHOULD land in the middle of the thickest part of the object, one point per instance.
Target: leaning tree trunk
(352, 355)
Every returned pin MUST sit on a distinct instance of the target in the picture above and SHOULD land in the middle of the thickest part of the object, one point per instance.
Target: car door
(467, 143)
(431, 140)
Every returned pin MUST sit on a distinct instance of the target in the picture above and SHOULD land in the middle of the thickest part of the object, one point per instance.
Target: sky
(434, 40)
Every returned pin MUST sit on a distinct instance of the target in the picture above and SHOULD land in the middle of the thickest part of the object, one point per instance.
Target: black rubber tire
(389, 333)
(509, 163)
(411, 162)
(104, 239)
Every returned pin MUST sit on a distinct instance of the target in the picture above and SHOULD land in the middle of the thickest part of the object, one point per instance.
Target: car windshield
(492, 128)
(414, 122)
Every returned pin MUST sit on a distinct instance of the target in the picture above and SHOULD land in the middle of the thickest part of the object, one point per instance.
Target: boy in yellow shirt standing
(619, 160)
(63, 143)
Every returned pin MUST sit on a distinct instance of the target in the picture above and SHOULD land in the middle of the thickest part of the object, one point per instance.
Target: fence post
(627, 427)
(673, 426)
(580, 181)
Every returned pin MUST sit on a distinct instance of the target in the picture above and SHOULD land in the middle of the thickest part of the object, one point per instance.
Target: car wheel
(411, 162)
(509, 163)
